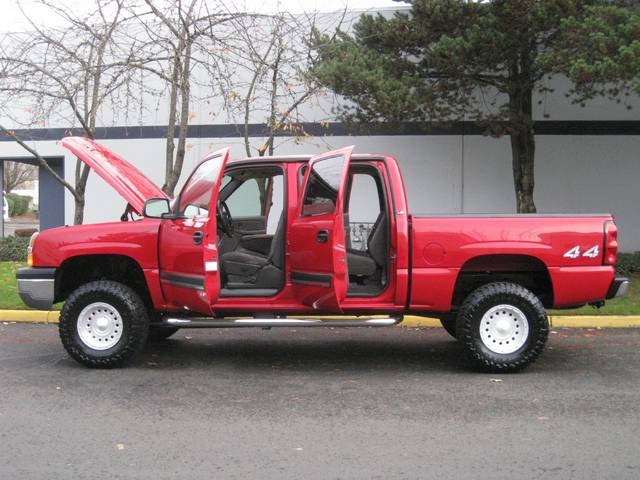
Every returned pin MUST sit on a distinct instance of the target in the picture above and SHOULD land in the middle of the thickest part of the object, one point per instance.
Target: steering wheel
(223, 216)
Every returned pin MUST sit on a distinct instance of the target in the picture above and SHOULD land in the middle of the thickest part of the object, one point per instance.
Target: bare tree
(65, 74)
(267, 76)
(184, 37)
(17, 173)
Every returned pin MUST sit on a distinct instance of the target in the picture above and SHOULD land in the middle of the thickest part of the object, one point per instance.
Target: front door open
(210, 250)
(189, 235)
(317, 252)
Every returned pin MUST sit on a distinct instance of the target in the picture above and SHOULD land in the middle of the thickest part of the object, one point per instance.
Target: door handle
(322, 236)
(197, 237)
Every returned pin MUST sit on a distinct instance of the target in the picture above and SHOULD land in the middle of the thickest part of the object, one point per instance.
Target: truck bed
(567, 248)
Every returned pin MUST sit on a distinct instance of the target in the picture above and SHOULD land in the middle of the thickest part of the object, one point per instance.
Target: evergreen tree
(442, 59)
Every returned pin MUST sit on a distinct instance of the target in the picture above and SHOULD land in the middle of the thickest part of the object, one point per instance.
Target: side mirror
(156, 208)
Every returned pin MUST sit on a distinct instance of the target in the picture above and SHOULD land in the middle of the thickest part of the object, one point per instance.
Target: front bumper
(618, 288)
(36, 287)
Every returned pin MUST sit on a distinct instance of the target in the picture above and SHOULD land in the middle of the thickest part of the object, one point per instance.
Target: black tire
(158, 334)
(448, 322)
(517, 300)
(122, 300)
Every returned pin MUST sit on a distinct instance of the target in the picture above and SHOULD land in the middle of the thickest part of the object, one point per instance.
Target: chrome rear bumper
(618, 288)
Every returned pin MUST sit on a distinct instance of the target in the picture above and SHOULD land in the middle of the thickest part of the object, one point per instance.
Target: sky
(13, 20)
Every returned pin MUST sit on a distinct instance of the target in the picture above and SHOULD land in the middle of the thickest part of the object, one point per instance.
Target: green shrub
(25, 202)
(628, 263)
(13, 249)
(13, 204)
(18, 204)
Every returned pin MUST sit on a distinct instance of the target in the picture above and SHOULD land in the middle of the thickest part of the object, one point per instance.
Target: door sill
(248, 292)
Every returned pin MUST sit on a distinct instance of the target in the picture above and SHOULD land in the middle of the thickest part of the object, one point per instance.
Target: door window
(364, 202)
(363, 209)
(276, 204)
(245, 200)
(324, 183)
(195, 196)
(256, 195)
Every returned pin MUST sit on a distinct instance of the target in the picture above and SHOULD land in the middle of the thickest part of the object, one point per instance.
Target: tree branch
(41, 161)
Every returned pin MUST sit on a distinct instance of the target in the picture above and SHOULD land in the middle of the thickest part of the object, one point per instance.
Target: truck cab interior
(252, 225)
(251, 231)
(366, 224)
(366, 227)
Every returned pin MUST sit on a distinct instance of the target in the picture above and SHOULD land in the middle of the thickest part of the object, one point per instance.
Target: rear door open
(317, 251)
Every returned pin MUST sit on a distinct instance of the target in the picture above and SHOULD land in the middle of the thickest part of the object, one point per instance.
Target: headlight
(30, 249)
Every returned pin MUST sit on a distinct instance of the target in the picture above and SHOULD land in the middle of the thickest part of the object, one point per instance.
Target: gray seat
(365, 264)
(243, 267)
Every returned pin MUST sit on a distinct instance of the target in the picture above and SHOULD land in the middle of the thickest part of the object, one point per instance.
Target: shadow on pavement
(349, 350)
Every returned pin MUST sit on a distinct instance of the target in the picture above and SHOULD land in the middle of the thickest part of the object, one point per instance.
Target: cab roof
(296, 158)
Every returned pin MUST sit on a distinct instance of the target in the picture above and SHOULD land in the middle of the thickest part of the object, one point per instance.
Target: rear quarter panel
(571, 247)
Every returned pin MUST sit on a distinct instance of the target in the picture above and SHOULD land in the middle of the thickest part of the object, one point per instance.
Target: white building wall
(447, 174)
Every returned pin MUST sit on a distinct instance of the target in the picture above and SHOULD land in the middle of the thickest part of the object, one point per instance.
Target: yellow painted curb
(595, 321)
(413, 321)
(29, 316)
(557, 321)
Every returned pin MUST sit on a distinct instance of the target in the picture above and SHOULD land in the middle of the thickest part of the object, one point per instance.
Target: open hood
(126, 179)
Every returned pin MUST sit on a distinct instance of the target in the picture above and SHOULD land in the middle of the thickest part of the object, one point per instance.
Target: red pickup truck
(309, 241)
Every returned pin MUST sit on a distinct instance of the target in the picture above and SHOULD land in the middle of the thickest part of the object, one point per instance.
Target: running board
(278, 322)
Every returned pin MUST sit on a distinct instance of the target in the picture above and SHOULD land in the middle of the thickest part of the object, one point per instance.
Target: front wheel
(503, 327)
(103, 324)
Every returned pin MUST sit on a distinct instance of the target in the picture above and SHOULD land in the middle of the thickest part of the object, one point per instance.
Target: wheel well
(525, 270)
(77, 271)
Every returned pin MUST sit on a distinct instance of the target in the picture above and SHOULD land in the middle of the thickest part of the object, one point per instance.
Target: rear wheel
(103, 324)
(503, 327)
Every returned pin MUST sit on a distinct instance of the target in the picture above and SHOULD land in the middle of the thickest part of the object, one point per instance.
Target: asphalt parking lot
(319, 403)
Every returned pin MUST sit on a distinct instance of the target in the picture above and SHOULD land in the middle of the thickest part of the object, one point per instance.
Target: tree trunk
(171, 125)
(78, 216)
(180, 87)
(274, 95)
(82, 175)
(183, 128)
(523, 147)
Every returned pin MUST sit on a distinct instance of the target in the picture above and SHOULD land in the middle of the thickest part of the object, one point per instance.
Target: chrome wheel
(504, 329)
(99, 326)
